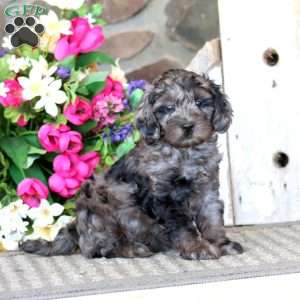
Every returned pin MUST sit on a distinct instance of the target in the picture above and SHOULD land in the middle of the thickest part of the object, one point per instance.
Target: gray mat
(270, 250)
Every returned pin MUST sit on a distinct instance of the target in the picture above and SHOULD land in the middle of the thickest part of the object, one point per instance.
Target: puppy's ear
(146, 122)
(222, 116)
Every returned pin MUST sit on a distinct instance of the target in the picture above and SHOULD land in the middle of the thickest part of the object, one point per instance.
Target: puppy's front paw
(231, 248)
(202, 250)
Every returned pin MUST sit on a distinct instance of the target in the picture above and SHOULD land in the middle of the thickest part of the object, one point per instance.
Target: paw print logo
(24, 31)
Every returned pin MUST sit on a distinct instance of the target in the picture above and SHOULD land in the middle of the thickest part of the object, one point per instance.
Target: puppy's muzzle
(188, 129)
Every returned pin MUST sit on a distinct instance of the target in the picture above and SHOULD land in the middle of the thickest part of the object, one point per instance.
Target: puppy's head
(183, 109)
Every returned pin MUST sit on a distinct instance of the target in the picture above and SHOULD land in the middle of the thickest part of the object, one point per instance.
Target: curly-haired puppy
(165, 193)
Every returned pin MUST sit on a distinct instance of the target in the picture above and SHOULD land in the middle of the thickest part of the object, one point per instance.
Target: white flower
(17, 209)
(36, 85)
(7, 244)
(64, 220)
(54, 26)
(45, 213)
(3, 90)
(66, 4)
(18, 64)
(6, 44)
(52, 96)
(12, 226)
(41, 66)
(49, 232)
(118, 74)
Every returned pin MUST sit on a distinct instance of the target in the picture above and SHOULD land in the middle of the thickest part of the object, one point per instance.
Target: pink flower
(105, 109)
(84, 38)
(49, 137)
(14, 96)
(78, 112)
(65, 187)
(92, 159)
(70, 142)
(32, 191)
(113, 87)
(70, 165)
(22, 122)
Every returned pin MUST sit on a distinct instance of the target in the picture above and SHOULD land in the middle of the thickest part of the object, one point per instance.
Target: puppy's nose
(188, 126)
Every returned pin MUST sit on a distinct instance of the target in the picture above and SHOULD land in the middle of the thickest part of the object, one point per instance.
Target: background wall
(151, 36)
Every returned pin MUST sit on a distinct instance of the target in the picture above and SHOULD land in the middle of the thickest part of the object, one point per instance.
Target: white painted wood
(208, 60)
(267, 117)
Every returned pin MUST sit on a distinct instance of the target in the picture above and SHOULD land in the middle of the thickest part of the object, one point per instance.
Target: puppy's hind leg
(65, 243)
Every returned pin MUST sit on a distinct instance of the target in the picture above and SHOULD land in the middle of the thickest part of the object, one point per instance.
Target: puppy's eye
(163, 110)
(202, 103)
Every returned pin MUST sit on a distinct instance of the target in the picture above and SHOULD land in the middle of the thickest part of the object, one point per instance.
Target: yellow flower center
(45, 213)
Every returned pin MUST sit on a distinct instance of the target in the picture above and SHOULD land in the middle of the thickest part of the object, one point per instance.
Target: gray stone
(150, 72)
(126, 45)
(119, 10)
(192, 22)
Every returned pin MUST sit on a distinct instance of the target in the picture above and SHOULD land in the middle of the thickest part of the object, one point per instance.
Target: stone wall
(151, 36)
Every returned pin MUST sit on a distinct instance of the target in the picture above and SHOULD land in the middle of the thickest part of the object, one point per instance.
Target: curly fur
(165, 193)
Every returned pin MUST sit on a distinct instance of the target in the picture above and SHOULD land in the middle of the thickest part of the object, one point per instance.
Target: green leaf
(88, 126)
(109, 161)
(104, 149)
(95, 88)
(136, 136)
(16, 173)
(83, 11)
(61, 119)
(35, 171)
(83, 91)
(35, 150)
(16, 149)
(94, 78)
(136, 98)
(32, 139)
(125, 147)
(4, 67)
(96, 10)
(100, 22)
(69, 62)
(93, 58)
(30, 160)
(70, 205)
(94, 83)
(28, 51)
(12, 113)
(94, 144)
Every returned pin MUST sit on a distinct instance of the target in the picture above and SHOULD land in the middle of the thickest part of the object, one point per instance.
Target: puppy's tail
(66, 242)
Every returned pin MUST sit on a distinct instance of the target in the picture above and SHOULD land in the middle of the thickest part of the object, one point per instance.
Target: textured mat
(269, 250)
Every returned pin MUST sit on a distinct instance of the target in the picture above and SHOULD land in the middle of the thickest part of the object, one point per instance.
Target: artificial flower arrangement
(61, 120)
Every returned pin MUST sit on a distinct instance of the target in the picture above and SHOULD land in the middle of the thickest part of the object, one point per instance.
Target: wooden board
(266, 102)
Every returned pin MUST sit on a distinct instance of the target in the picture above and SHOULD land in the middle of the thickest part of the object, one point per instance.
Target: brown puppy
(165, 193)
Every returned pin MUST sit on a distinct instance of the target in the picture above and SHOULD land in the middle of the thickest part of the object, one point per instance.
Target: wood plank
(266, 101)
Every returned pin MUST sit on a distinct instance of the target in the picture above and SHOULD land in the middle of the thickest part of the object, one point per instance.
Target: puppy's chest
(188, 164)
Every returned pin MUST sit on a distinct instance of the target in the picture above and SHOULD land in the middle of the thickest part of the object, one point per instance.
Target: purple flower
(126, 103)
(136, 84)
(63, 72)
(118, 135)
(2, 52)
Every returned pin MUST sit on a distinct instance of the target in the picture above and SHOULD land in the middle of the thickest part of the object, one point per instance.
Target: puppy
(165, 193)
